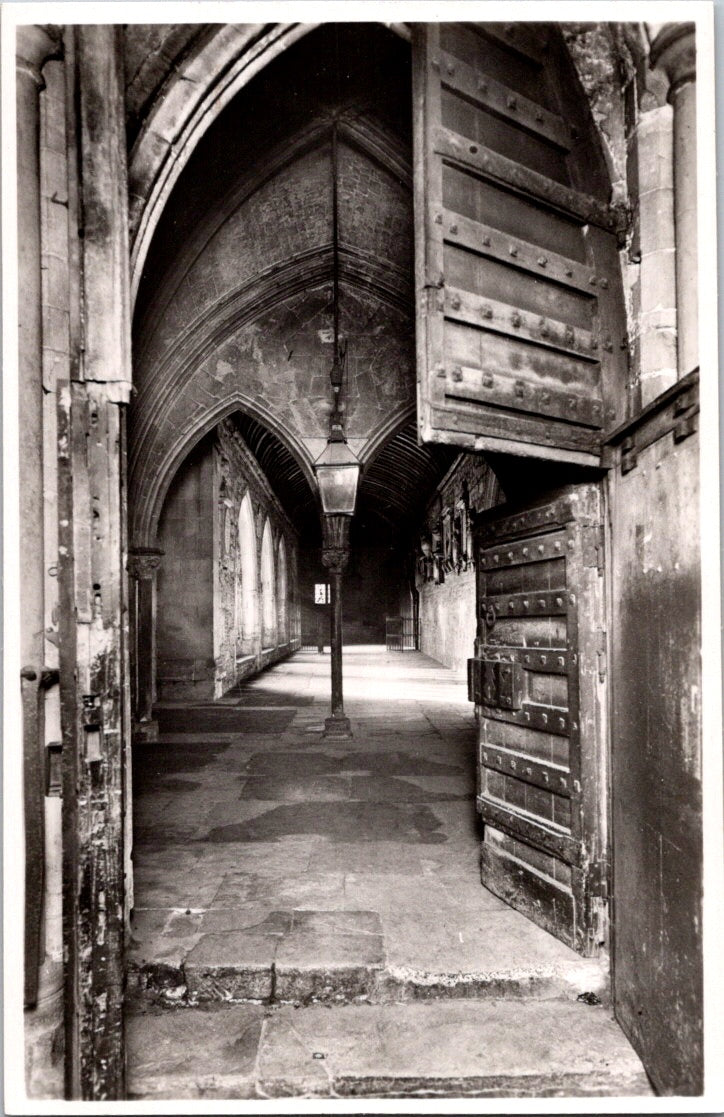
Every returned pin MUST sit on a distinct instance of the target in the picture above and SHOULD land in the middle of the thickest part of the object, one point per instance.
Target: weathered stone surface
(234, 948)
(44, 1045)
(337, 922)
(452, 1049)
(193, 1053)
(252, 919)
(320, 948)
(327, 984)
(434, 1050)
(296, 788)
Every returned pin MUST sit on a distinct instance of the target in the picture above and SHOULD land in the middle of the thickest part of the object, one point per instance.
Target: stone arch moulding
(190, 101)
(385, 431)
(150, 482)
(187, 105)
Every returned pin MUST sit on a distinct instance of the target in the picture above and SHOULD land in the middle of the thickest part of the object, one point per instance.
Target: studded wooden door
(537, 680)
(520, 325)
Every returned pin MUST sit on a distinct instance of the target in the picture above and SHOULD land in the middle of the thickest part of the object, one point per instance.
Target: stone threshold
(493, 1048)
(163, 984)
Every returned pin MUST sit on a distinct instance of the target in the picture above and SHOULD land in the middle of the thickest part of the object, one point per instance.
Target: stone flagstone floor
(275, 867)
(259, 842)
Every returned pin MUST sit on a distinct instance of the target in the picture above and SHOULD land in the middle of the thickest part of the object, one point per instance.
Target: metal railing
(401, 634)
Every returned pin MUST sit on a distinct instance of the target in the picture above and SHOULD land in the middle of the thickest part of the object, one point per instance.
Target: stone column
(143, 563)
(674, 51)
(34, 46)
(335, 556)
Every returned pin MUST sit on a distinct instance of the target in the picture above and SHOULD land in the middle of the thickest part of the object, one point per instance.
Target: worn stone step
(342, 969)
(437, 1049)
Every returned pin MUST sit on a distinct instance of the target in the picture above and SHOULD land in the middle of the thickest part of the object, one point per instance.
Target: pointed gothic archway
(380, 486)
(268, 589)
(247, 579)
(282, 593)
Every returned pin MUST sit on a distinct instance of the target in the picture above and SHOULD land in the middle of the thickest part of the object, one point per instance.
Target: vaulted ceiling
(394, 488)
(235, 300)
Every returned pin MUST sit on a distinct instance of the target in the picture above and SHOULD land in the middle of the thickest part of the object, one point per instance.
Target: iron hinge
(686, 415)
(675, 411)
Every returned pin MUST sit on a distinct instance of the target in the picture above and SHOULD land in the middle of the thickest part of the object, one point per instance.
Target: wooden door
(656, 680)
(520, 337)
(537, 680)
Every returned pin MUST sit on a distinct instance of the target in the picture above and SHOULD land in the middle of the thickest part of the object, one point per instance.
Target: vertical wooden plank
(656, 746)
(427, 201)
(93, 637)
(618, 401)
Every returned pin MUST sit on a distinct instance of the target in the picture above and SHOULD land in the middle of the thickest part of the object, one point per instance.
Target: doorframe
(150, 177)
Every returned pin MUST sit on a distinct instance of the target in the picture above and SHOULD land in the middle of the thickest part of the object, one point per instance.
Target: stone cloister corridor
(292, 873)
(355, 614)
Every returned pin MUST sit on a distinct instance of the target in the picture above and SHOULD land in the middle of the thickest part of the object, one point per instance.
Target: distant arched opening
(268, 590)
(282, 594)
(247, 578)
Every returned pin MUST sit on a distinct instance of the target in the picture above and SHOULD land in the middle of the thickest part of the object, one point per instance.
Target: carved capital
(335, 542)
(34, 46)
(673, 50)
(143, 562)
(335, 560)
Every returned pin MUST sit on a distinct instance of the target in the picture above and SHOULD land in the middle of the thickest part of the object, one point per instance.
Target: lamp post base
(337, 726)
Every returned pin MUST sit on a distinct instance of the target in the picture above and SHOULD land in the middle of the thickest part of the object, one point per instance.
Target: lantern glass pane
(338, 488)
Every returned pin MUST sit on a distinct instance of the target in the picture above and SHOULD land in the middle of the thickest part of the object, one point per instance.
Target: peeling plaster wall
(212, 341)
(600, 62)
(282, 360)
(628, 103)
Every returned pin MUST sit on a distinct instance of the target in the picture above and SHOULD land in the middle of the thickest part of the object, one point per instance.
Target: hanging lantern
(337, 470)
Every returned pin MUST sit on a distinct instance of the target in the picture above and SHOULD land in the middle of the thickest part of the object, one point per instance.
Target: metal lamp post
(337, 471)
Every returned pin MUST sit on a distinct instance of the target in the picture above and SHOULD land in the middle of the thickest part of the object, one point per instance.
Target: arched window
(247, 625)
(282, 593)
(268, 603)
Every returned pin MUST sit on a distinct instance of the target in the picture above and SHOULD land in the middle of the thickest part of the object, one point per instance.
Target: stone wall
(445, 565)
(185, 588)
(371, 593)
(447, 619)
(205, 642)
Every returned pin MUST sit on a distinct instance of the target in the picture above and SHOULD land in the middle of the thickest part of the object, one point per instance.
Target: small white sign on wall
(321, 593)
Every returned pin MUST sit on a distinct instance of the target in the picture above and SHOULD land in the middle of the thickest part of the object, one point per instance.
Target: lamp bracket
(335, 542)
